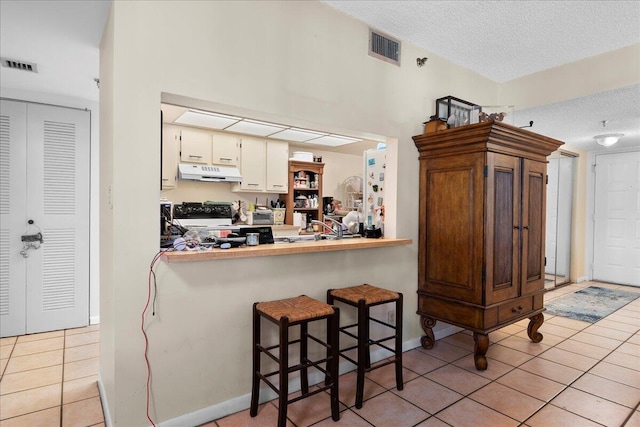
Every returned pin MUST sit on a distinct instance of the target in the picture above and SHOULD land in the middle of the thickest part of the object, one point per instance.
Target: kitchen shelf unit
(313, 172)
(482, 227)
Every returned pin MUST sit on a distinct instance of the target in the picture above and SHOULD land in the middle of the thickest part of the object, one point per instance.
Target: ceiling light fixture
(607, 139)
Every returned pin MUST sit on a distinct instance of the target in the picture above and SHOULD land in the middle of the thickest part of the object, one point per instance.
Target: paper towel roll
(297, 219)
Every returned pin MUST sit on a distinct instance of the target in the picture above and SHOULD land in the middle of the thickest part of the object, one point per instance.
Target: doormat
(590, 304)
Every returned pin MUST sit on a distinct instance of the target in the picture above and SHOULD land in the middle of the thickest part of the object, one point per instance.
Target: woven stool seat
(295, 309)
(370, 294)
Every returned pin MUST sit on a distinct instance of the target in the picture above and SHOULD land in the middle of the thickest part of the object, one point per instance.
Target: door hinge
(547, 180)
(545, 261)
(484, 274)
(486, 171)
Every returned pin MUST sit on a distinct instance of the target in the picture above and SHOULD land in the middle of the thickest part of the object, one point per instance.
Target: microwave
(260, 217)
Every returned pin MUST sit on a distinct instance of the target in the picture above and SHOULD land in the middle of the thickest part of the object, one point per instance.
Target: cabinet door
(195, 146)
(170, 149)
(503, 226)
(533, 225)
(226, 148)
(253, 164)
(451, 227)
(277, 166)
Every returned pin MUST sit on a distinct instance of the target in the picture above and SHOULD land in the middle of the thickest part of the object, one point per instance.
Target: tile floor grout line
(600, 360)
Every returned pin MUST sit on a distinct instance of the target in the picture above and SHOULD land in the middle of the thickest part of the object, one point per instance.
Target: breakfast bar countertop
(281, 249)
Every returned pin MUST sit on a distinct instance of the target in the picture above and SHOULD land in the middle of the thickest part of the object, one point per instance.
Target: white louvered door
(13, 207)
(55, 169)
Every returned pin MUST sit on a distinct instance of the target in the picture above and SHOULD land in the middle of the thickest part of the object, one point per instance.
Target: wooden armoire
(482, 227)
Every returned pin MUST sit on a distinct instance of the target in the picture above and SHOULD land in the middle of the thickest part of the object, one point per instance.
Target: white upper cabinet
(195, 146)
(170, 154)
(253, 164)
(226, 149)
(277, 166)
(264, 166)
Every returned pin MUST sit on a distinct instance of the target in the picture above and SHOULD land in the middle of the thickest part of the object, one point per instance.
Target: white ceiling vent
(384, 47)
(19, 65)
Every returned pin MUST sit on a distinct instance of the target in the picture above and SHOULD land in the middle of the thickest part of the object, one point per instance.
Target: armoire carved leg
(534, 324)
(427, 341)
(480, 349)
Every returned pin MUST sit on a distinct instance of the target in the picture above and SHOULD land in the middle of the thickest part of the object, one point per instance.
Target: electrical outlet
(391, 317)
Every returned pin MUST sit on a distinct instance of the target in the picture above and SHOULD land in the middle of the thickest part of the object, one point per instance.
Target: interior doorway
(560, 172)
(616, 242)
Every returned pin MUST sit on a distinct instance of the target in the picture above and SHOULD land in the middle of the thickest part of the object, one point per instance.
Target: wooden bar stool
(363, 297)
(290, 312)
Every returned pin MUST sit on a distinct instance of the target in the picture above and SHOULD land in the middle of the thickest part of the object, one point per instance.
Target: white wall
(298, 62)
(92, 106)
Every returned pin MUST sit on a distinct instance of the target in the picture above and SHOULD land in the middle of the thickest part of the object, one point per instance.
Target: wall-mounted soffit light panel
(209, 120)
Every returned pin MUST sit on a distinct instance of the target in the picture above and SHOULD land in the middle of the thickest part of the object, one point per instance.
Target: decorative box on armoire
(482, 219)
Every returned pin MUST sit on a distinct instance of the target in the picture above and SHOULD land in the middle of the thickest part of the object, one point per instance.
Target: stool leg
(255, 379)
(333, 334)
(399, 380)
(368, 341)
(304, 360)
(330, 302)
(283, 395)
(363, 350)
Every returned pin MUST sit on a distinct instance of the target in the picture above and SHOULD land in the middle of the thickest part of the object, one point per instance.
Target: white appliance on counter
(375, 162)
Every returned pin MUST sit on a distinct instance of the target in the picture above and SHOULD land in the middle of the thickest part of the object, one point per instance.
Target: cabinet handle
(277, 185)
(526, 227)
(194, 157)
(518, 310)
(225, 159)
(516, 227)
(254, 185)
(165, 179)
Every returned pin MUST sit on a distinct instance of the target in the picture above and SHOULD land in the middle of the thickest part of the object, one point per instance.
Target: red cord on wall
(144, 333)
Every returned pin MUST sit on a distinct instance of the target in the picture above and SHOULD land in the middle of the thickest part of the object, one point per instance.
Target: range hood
(208, 173)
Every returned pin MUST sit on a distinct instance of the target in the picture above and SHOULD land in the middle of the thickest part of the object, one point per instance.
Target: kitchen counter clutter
(281, 249)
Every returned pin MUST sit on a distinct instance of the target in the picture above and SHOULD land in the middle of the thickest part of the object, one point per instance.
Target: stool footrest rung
(388, 325)
(379, 365)
(311, 393)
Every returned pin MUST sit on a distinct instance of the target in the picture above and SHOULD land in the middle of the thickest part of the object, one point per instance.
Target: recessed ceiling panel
(252, 127)
(206, 120)
(333, 140)
(297, 135)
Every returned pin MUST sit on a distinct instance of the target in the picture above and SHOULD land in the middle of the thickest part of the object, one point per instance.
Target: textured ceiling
(504, 40)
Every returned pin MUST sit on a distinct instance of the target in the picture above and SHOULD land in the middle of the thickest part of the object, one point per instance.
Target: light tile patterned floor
(579, 375)
(50, 379)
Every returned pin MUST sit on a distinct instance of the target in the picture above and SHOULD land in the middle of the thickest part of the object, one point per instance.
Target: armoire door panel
(533, 216)
(453, 255)
(502, 234)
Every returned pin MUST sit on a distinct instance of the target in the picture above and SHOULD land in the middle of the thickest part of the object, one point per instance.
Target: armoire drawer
(514, 309)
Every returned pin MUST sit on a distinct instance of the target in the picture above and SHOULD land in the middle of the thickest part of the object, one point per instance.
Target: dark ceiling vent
(384, 47)
(19, 65)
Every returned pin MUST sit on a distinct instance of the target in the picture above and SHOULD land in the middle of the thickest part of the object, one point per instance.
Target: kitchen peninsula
(282, 249)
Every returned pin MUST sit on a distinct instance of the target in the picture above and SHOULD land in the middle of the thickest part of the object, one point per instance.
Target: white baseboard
(243, 402)
(94, 320)
(105, 404)
(582, 279)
